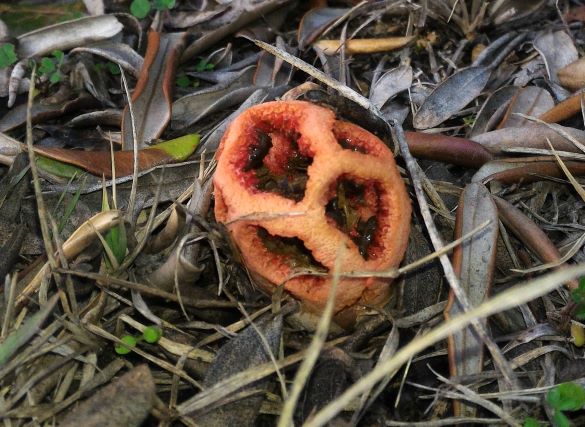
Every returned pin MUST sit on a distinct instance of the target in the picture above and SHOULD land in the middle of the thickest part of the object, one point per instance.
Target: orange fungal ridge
(293, 185)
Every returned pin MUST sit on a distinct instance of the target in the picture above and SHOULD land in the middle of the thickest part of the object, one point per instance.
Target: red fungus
(293, 185)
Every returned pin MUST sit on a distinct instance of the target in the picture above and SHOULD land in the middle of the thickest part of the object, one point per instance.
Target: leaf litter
(89, 261)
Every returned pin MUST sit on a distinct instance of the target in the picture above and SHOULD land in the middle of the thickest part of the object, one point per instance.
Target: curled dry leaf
(530, 234)
(563, 110)
(356, 46)
(449, 149)
(474, 262)
(68, 35)
(153, 94)
(119, 53)
(289, 207)
(526, 170)
(451, 96)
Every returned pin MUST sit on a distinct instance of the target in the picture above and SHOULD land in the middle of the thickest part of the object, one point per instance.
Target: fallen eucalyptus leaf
(530, 101)
(474, 262)
(152, 96)
(557, 51)
(242, 352)
(492, 110)
(42, 111)
(315, 22)
(99, 162)
(126, 401)
(451, 96)
(118, 53)
(532, 136)
(390, 84)
(67, 35)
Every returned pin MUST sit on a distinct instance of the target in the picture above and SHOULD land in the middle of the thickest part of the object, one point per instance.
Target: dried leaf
(449, 149)
(43, 111)
(557, 51)
(529, 100)
(329, 378)
(245, 351)
(529, 233)
(152, 96)
(119, 53)
(533, 136)
(492, 110)
(99, 162)
(525, 170)
(126, 401)
(192, 108)
(474, 262)
(315, 22)
(390, 84)
(563, 110)
(364, 46)
(451, 96)
(68, 35)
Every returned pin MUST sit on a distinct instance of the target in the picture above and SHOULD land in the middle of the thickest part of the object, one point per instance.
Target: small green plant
(7, 55)
(203, 65)
(531, 422)
(141, 8)
(110, 67)
(151, 335)
(125, 347)
(51, 66)
(578, 296)
(184, 81)
(565, 397)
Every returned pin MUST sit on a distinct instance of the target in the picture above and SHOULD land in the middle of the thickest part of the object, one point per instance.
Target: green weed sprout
(151, 335)
(565, 397)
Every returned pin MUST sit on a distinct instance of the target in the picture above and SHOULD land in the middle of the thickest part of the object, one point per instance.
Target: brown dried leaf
(474, 262)
(153, 95)
(449, 149)
(563, 110)
(525, 170)
(126, 401)
(357, 46)
(529, 233)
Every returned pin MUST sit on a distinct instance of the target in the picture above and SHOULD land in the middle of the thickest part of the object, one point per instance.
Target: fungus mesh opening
(348, 144)
(354, 209)
(277, 164)
(292, 250)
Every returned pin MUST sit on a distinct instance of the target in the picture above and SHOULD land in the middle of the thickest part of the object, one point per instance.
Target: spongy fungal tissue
(294, 184)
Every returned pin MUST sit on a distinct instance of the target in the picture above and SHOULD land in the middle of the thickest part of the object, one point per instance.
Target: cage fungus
(293, 184)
